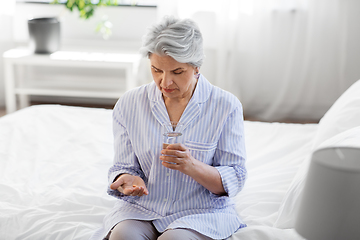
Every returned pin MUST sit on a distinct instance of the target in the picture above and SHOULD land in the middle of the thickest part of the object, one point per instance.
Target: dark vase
(44, 34)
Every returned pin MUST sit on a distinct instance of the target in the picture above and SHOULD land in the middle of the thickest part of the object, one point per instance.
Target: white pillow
(340, 126)
(343, 114)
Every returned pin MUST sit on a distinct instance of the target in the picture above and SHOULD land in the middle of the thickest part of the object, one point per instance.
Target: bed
(54, 161)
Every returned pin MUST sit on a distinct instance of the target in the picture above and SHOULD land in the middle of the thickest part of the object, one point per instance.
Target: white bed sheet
(54, 162)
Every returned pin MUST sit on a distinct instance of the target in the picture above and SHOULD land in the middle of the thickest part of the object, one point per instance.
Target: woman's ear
(197, 69)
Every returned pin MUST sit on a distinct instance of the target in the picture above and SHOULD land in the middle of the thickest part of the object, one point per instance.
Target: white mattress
(54, 162)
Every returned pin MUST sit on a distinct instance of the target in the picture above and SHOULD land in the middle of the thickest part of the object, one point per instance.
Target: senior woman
(182, 191)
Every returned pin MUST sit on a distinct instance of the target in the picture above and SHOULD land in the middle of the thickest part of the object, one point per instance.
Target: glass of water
(172, 133)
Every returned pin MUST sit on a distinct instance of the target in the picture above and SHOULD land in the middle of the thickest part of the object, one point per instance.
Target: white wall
(129, 24)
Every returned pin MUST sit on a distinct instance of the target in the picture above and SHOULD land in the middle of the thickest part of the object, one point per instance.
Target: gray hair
(179, 39)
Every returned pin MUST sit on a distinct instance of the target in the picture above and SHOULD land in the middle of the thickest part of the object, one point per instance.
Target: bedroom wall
(129, 23)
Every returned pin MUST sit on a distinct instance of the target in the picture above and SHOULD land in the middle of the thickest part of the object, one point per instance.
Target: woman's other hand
(130, 185)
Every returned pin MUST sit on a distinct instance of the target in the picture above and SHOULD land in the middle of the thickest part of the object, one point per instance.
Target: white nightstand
(92, 87)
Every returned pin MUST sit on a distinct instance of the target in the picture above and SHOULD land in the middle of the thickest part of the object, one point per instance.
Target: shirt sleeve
(230, 155)
(125, 160)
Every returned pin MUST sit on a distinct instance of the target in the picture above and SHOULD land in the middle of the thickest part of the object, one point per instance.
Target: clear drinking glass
(172, 133)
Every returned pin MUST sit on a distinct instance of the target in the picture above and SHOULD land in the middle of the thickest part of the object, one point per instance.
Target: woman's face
(175, 80)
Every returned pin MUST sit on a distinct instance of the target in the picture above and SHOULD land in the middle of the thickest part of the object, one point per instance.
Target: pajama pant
(145, 230)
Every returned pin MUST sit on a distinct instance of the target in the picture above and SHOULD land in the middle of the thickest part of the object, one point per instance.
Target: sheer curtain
(284, 59)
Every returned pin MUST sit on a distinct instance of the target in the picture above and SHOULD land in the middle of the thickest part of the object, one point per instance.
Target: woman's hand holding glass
(176, 156)
(130, 185)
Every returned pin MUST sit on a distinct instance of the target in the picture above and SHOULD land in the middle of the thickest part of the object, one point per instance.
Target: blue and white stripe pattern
(214, 133)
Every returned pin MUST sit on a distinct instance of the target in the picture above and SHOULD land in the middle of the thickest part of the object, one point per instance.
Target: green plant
(86, 10)
(86, 7)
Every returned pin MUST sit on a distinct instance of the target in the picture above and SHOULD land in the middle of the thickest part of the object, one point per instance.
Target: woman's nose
(166, 81)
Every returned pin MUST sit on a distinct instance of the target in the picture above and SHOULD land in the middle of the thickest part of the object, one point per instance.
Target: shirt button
(165, 199)
(167, 174)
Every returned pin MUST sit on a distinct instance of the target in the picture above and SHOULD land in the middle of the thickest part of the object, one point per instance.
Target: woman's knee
(133, 230)
(119, 232)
